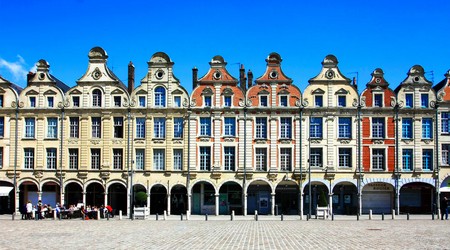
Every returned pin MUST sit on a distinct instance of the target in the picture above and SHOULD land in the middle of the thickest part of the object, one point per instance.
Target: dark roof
(60, 84)
(440, 85)
(17, 88)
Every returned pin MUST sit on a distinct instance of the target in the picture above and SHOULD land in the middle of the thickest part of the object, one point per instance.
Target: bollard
(54, 215)
(357, 216)
(98, 214)
(206, 217)
(382, 216)
(157, 216)
(187, 214)
(307, 217)
(35, 215)
(13, 215)
(276, 210)
(407, 216)
(432, 216)
(370, 214)
(256, 215)
(393, 214)
(232, 214)
(282, 217)
(165, 215)
(332, 216)
(120, 214)
(182, 216)
(107, 215)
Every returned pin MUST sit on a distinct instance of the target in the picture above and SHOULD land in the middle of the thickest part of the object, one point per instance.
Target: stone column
(245, 204)
(273, 203)
(168, 204)
(39, 195)
(106, 198)
(330, 203)
(84, 198)
(62, 200)
(189, 203)
(217, 204)
(300, 211)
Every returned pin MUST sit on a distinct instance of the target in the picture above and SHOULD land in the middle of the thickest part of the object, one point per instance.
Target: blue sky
(363, 35)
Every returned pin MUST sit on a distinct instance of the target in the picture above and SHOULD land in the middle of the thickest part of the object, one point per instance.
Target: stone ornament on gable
(96, 74)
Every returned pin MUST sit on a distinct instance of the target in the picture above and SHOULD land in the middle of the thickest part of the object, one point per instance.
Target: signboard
(377, 187)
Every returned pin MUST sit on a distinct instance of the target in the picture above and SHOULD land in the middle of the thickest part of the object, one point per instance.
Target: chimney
(250, 78)
(242, 77)
(354, 83)
(29, 76)
(130, 77)
(194, 77)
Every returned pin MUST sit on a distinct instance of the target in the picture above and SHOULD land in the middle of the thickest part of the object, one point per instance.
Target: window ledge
(29, 138)
(51, 139)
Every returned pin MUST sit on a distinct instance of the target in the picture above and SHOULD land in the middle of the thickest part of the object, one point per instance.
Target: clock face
(329, 74)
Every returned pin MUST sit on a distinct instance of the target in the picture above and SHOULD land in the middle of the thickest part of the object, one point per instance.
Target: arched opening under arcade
(7, 198)
(73, 194)
(287, 198)
(417, 198)
(51, 193)
(318, 197)
(230, 198)
(203, 198)
(345, 198)
(138, 193)
(28, 192)
(378, 197)
(259, 197)
(158, 199)
(117, 198)
(95, 194)
(178, 199)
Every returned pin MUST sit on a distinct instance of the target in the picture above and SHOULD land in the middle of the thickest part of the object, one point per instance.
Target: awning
(4, 191)
(444, 189)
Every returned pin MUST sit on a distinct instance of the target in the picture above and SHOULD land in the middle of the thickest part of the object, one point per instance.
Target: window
(409, 100)
(160, 128)
(207, 101)
(318, 101)
(118, 127)
(158, 159)
(229, 163)
(377, 128)
(32, 101)
(230, 126)
(29, 127)
(52, 128)
(160, 97)
(177, 101)
(51, 158)
(117, 158)
(315, 157)
(96, 98)
(378, 100)
(95, 158)
(117, 101)
(50, 102)
(263, 101)
(285, 159)
(227, 101)
(261, 127)
(427, 128)
(76, 101)
(315, 127)
(140, 159)
(74, 127)
(140, 127)
(205, 158)
(424, 100)
(141, 101)
(342, 101)
(1, 100)
(205, 126)
(445, 154)
(345, 127)
(2, 126)
(73, 158)
(1, 157)
(285, 128)
(445, 122)
(345, 157)
(407, 128)
(407, 155)
(177, 127)
(377, 159)
(96, 127)
(283, 101)
(29, 158)
(177, 159)
(261, 159)
(427, 159)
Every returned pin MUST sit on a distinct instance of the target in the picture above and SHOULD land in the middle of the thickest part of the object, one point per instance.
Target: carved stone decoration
(260, 141)
(38, 174)
(378, 141)
(117, 141)
(316, 141)
(96, 74)
(158, 141)
(82, 175)
(228, 139)
(344, 141)
(407, 141)
(440, 96)
(245, 103)
(433, 104)
(205, 139)
(72, 141)
(104, 175)
(285, 141)
(427, 141)
(177, 142)
(139, 141)
(272, 176)
(95, 142)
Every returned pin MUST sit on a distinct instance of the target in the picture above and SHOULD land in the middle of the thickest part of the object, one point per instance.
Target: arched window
(160, 97)
(96, 98)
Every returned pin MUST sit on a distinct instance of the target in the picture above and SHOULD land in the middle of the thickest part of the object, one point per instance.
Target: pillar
(301, 204)
(106, 199)
(217, 204)
(245, 204)
(330, 203)
(189, 202)
(84, 198)
(168, 204)
(62, 200)
(148, 198)
(272, 203)
(128, 202)
(16, 203)
(39, 195)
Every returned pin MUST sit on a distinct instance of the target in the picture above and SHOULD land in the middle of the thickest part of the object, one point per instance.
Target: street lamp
(301, 106)
(16, 104)
(189, 105)
(62, 105)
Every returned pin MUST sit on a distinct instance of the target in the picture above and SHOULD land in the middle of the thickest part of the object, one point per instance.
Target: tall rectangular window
(261, 159)
(177, 101)
(117, 101)
(378, 100)
(1, 157)
(158, 159)
(315, 127)
(407, 155)
(140, 159)
(52, 128)
(177, 159)
(407, 128)
(427, 159)
(445, 122)
(229, 160)
(342, 101)
(118, 127)
(318, 101)
(285, 159)
(205, 126)
(2, 126)
(160, 127)
(73, 158)
(117, 159)
(76, 101)
(140, 127)
(29, 127)
(160, 96)
(205, 158)
(74, 127)
(427, 128)
(142, 101)
(377, 127)
(345, 157)
(95, 158)
(227, 101)
(1, 100)
(177, 127)
(285, 128)
(261, 127)
(96, 127)
(208, 101)
(445, 154)
(315, 157)
(283, 101)
(29, 158)
(32, 101)
(263, 101)
(230, 126)
(51, 158)
(345, 127)
(424, 100)
(409, 100)
(378, 159)
(50, 101)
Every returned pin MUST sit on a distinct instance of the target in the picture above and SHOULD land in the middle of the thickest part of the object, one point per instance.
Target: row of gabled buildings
(232, 144)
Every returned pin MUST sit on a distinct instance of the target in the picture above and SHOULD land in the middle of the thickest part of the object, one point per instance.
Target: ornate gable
(97, 71)
(218, 73)
(330, 72)
(318, 91)
(377, 80)
(273, 71)
(416, 76)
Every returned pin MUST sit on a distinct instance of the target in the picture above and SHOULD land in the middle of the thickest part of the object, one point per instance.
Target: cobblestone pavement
(269, 232)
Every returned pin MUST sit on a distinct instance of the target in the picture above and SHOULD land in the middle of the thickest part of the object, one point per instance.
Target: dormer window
(160, 97)
(117, 101)
(342, 101)
(177, 101)
(283, 101)
(227, 101)
(141, 101)
(409, 100)
(424, 100)
(263, 101)
(208, 101)
(96, 98)
(378, 100)
(50, 101)
(1, 100)
(32, 101)
(318, 101)
(76, 101)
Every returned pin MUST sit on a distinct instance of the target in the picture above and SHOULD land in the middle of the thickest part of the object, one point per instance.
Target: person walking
(29, 209)
(444, 208)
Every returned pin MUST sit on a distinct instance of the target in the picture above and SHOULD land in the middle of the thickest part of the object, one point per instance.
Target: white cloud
(17, 69)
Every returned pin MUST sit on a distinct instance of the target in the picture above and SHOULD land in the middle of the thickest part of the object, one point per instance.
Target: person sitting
(84, 215)
(110, 211)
